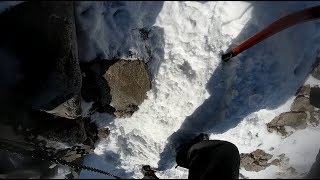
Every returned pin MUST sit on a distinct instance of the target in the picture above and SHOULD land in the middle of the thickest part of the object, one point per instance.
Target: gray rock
(301, 103)
(129, 82)
(297, 120)
(255, 161)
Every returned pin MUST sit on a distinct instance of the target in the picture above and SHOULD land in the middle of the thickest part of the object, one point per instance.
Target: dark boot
(213, 159)
(182, 151)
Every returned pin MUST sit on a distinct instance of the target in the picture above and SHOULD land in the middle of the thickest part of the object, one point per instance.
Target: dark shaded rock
(129, 82)
(42, 35)
(95, 87)
(64, 138)
(297, 120)
(103, 133)
(28, 167)
(23, 165)
(255, 161)
(301, 103)
(315, 97)
(303, 91)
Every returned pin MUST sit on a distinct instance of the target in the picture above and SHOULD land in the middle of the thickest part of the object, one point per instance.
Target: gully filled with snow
(192, 90)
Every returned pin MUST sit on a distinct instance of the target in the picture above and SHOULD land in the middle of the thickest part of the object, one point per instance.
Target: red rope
(285, 22)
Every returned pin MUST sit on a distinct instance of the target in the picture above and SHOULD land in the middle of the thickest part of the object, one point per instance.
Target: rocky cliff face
(44, 86)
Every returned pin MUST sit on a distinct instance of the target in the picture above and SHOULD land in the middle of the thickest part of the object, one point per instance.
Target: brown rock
(301, 103)
(255, 161)
(129, 82)
(297, 120)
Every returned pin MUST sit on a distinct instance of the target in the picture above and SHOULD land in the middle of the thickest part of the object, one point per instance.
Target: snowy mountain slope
(193, 91)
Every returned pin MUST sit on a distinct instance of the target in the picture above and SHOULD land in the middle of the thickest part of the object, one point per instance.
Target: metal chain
(43, 155)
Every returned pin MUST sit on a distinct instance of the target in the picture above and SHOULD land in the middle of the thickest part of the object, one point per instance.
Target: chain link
(43, 155)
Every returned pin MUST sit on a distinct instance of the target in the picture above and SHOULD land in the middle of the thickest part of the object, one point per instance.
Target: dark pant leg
(213, 159)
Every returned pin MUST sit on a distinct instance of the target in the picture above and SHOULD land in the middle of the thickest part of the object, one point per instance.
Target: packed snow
(192, 90)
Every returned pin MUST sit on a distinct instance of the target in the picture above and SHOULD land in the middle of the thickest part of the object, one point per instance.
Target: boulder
(296, 120)
(129, 82)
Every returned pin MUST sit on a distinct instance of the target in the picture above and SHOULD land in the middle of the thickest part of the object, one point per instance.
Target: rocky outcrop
(297, 120)
(69, 140)
(255, 161)
(259, 160)
(42, 36)
(304, 111)
(117, 87)
(301, 103)
(45, 98)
